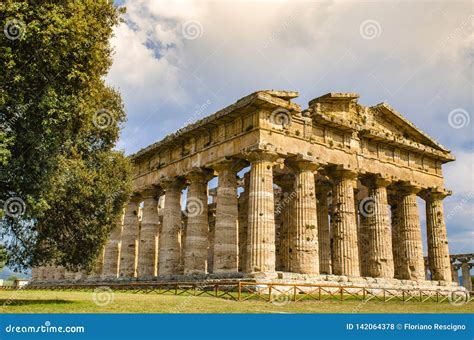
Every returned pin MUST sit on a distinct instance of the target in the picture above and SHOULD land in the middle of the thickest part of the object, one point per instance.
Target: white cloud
(420, 62)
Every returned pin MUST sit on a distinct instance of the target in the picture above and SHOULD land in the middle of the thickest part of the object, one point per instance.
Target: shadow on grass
(26, 302)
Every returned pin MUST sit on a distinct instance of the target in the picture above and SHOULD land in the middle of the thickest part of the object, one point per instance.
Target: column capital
(135, 197)
(375, 181)
(435, 193)
(406, 188)
(285, 181)
(302, 162)
(260, 153)
(323, 188)
(199, 175)
(342, 173)
(150, 191)
(229, 163)
(172, 183)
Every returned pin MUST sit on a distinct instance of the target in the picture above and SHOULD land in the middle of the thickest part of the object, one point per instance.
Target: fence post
(239, 292)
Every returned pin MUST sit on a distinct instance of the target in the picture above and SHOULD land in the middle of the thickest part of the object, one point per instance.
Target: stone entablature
(346, 133)
(302, 206)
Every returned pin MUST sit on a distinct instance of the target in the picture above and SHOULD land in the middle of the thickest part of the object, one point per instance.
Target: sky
(176, 62)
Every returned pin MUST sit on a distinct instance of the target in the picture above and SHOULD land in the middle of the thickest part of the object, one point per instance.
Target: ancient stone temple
(321, 193)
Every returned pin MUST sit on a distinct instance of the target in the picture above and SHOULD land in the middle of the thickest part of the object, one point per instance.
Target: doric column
(130, 234)
(466, 275)
(261, 218)
(438, 252)
(286, 183)
(323, 228)
(112, 250)
(277, 200)
(345, 253)
(304, 249)
(149, 235)
(196, 242)
(58, 273)
(409, 235)
(169, 259)
(226, 242)
(379, 246)
(243, 222)
(394, 201)
(454, 272)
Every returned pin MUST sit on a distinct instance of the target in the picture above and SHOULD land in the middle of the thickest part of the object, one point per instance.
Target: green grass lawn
(31, 301)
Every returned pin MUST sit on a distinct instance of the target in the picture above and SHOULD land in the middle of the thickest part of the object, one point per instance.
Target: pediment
(387, 120)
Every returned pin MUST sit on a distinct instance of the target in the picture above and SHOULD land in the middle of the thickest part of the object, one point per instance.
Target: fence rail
(268, 291)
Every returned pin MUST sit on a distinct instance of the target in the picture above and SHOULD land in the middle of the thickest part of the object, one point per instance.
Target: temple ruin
(327, 193)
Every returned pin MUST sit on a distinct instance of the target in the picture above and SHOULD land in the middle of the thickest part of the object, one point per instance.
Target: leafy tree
(12, 278)
(62, 184)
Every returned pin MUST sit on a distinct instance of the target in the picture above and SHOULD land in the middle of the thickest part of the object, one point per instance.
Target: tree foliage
(61, 183)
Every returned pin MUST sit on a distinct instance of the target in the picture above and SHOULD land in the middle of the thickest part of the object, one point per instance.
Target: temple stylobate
(329, 191)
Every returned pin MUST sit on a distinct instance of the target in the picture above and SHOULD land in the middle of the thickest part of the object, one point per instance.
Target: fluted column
(438, 252)
(363, 235)
(169, 259)
(196, 243)
(130, 234)
(304, 248)
(288, 195)
(226, 243)
(277, 200)
(466, 275)
(380, 256)
(112, 250)
(345, 254)
(261, 218)
(394, 202)
(454, 273)
(149, 235)
(243, 222)
(323, 229)
(409, 235)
